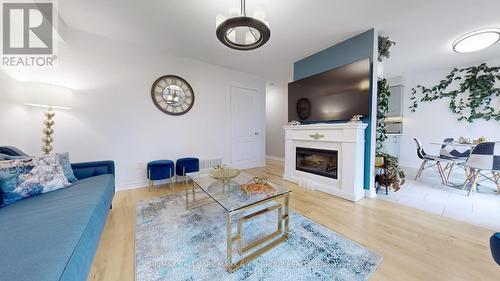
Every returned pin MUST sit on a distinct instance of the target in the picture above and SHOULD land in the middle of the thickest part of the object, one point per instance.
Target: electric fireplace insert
(317, 161)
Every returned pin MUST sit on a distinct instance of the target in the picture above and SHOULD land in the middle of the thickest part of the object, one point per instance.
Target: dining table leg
(449, 172)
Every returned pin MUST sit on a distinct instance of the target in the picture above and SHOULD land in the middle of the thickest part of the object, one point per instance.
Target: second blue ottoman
(187, 165)
(160, 170)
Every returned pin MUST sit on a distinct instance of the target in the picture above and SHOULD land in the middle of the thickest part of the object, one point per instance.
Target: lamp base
(48, 131)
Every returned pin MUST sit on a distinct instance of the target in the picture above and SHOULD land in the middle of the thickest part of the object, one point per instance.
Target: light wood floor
(416, 245)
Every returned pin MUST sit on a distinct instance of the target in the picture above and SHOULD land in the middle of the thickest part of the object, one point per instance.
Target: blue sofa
(54, 236)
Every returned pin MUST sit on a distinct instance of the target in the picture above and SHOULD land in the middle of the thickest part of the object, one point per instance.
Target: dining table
(455, 143)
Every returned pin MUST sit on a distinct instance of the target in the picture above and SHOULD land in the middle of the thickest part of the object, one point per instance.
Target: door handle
(256, 133)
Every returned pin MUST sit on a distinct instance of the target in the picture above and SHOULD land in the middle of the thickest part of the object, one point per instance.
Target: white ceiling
(423, 30)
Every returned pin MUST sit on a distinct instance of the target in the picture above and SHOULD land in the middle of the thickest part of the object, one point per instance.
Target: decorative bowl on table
(480, 140)
(258, 186)
(465, 140)
(224, 174)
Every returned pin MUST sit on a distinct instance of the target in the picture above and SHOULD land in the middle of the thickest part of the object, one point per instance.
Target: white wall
(113, 116)
(276, 117)
(432, 122)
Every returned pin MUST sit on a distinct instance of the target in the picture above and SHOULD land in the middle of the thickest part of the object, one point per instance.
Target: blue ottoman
(187, 165)
(160, 170)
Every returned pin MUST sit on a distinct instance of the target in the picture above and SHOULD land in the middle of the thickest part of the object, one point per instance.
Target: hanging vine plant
(475, 96)
(394, 175)
(383, 95)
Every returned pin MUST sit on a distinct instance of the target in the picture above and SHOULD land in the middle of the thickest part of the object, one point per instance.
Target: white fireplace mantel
(346, 138)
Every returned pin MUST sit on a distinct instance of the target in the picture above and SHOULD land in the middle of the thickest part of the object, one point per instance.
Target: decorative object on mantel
(243, 32)
(51, 97)
(223, 173)
(384, 44)
(356, 119)
(294, 123)
(317, 136)
(258, 186)
(172, 95)
(471, 99)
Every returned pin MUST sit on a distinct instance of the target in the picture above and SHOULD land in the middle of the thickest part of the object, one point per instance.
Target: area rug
(175, 244)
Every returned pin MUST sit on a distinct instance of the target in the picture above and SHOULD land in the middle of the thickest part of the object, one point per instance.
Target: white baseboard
(131, 185)
(370, 193)
(145, 183)
(139, 184)
(270, 157)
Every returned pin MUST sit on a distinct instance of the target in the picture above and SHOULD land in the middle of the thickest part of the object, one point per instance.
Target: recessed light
(476, 40)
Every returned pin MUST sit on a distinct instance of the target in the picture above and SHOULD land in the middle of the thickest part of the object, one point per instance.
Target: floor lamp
(51, 97)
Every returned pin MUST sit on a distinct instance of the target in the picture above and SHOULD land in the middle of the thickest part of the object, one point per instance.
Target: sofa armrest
(92, 169)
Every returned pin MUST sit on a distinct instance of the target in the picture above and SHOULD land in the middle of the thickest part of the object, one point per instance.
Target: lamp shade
(47, 95)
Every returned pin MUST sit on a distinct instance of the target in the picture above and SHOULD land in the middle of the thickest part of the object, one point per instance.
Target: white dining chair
(429, 161)
(484, 160)
(456, 156)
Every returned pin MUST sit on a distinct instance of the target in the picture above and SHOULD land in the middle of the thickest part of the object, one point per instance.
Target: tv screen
(336, 94)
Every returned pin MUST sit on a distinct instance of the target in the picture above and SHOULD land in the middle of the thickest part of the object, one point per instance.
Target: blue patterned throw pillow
(24, 178)
(66, 166)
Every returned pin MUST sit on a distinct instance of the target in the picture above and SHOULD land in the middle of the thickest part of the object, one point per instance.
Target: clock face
(172, 95)
(303, 108)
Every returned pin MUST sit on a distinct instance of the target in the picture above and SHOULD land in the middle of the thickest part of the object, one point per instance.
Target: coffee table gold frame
(260, 246)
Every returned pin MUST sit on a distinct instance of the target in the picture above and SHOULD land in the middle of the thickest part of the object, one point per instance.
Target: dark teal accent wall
(348, 51)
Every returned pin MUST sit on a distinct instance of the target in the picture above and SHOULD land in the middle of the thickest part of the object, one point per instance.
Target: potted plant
(393, 175)
(384, 44)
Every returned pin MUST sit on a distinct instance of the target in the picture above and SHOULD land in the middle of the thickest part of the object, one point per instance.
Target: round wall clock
(172, 95)
(303, 108)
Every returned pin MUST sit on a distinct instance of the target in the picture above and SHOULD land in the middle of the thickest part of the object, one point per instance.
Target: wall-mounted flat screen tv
(333, 95)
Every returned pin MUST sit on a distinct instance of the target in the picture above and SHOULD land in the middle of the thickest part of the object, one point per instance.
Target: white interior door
(245, 133)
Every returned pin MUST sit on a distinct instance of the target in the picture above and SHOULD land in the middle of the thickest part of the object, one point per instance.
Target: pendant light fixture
(242, 32)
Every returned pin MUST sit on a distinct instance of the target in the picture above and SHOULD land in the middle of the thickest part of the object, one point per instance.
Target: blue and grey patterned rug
(175, 244)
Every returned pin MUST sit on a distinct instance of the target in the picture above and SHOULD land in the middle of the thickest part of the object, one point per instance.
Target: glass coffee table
(231, 197)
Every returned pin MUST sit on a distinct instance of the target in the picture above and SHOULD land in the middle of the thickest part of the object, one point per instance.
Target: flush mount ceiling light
(476, 40)
(242, 32)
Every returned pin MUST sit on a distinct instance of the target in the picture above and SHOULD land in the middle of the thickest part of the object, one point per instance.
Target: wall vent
(210, 163)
